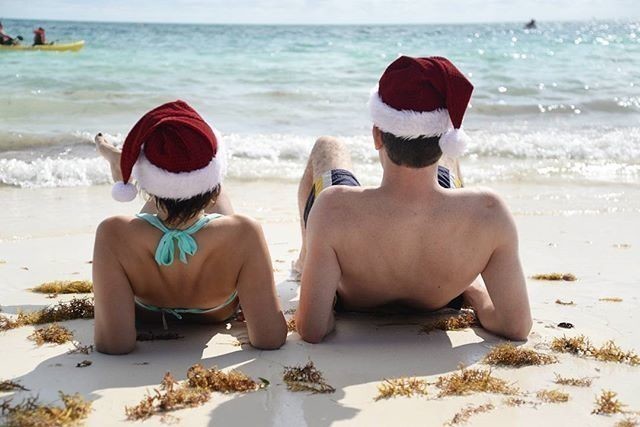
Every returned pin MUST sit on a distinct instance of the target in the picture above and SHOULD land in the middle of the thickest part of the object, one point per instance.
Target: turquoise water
(560, 101)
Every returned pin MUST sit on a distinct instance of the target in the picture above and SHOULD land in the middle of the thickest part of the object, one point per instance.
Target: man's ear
(377, 137)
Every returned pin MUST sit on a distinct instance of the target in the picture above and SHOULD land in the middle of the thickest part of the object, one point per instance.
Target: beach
(569, 230)
(554, 130)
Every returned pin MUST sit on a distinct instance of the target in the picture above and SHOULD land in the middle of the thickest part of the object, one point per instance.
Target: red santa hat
(172, 153)
(423, 97)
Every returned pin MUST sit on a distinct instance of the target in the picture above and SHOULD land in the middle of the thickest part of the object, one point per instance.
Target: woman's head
(174, 155)
(182, 210)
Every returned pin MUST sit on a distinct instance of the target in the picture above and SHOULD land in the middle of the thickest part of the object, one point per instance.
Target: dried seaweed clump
(509, 355)
(627, 422)
(31, 413)
(608, 352)
(567, 277)
(306, 378)
(406, 387)
(560, 302)
(472, 381)
(70, 310)
(9, 385)
(215, 380)
(79, 348)
(611, 299)
(463, 416)
(552, 396)
(52, 334)
(65, 287)
(291, 325)
(607, 404)
(575, 382)
(170, 397)
(465, 319)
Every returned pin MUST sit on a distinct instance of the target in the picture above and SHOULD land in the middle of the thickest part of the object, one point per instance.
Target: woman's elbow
(114, 349)
(272, 343)
(518, 331)
(310, 334)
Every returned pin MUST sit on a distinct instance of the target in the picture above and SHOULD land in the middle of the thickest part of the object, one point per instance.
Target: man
(414, 241)
(6, 39)
(39, 37)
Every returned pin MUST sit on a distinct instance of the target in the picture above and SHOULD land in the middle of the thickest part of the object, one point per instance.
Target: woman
(186, 257)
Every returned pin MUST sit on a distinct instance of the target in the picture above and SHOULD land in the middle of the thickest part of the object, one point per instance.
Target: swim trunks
(326, 180)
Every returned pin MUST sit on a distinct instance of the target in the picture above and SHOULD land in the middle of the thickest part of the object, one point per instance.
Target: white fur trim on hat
(454, 142)
(181, 185)
(122, 192)
(407, 123)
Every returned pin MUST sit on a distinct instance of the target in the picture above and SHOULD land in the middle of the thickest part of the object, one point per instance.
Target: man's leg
(327, 154)
(222, 205)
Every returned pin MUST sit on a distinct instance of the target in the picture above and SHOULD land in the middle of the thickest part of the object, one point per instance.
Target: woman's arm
(257, 292)
(114, 330)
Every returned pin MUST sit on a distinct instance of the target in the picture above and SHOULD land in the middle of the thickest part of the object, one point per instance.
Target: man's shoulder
(483, 204)
(336, 202)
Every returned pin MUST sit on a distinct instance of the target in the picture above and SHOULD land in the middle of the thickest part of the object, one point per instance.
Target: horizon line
(593, 19)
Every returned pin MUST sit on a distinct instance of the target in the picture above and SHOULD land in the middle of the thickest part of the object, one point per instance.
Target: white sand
(569, 229)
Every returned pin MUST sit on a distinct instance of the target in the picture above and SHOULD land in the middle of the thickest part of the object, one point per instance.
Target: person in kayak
(39, 37)
(6, 39)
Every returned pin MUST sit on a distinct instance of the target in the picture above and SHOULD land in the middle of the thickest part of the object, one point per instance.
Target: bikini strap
(187, 245)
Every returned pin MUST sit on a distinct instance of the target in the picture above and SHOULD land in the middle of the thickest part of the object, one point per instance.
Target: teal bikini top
(187, 245)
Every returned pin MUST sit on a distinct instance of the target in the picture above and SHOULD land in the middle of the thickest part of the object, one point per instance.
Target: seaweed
(31, 413)
(77, 308)
(607, 404)
(611, 299)
(291, 325)
(84, 364)
(552, 396)
(306, 378)
(65, 287)
(472, 381)
(608, 352)
(465, 319)
(163, 336)
(567, 277)
(53, 334)
(79, 348)
(517, 401)
(465, 414)
(215, 380)
(627, 422)
(575, 382)
(291, 311)
(406, 387)
(509, 355)
(169, 397)
(9, 385)
(560, 302)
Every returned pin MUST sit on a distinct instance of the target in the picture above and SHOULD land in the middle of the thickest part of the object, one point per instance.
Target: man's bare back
(408, 242)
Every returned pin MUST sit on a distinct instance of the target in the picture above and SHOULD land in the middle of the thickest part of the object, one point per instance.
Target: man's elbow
(310, 333)
(518, 331)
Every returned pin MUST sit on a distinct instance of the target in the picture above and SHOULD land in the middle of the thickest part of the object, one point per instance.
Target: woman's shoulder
(236, 222)
(117, 223)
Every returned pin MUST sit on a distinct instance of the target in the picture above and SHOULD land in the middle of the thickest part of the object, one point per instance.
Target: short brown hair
(415, 152)
(182, 210)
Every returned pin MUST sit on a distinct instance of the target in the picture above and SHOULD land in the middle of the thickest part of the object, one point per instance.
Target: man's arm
(503, 306)
(320, 277)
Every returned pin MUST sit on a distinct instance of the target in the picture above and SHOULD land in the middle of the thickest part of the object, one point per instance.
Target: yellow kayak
(75, 46)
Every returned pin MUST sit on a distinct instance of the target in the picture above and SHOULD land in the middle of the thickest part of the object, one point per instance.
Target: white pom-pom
(454, 142)
(124, 192)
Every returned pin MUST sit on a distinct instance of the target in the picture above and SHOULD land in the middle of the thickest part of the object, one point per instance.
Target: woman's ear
(377, 137)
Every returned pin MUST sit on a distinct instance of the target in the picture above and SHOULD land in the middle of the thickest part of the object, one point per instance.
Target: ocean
(558, 103)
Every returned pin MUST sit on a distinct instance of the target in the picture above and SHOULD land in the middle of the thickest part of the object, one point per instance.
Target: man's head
(417, 110)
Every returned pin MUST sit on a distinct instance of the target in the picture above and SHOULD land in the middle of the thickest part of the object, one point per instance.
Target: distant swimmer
(6, 39)
(531, 25)
(39, 37)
